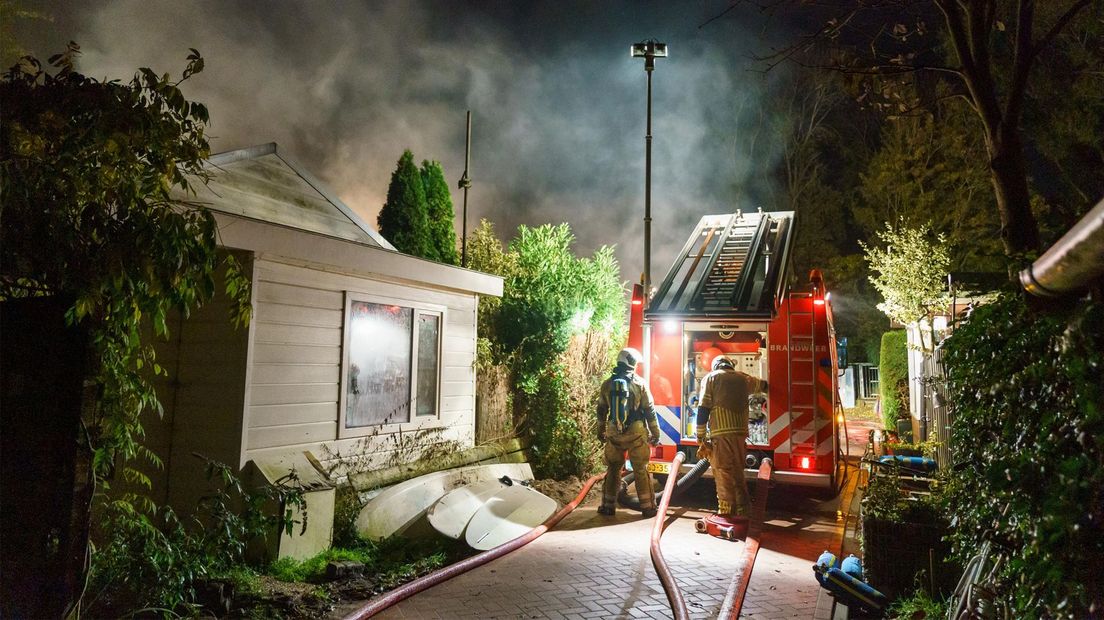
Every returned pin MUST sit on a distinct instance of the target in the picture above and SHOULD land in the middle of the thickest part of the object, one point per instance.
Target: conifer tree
(404, 219)
(442, 233)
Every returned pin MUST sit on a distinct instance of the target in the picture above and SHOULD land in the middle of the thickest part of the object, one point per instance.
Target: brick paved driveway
(588, 567)
(598, 567)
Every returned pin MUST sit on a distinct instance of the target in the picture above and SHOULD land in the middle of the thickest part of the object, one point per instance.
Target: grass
(863, 410)
(244, 579)
(918, 605)
(391, 561)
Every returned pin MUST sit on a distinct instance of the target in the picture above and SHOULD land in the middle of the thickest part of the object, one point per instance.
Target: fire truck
(729, 293)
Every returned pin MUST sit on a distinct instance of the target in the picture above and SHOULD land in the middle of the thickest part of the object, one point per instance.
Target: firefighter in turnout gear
(627, 423)
(723, 429)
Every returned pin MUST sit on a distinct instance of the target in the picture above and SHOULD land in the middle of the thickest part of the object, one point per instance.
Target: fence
(866, 382)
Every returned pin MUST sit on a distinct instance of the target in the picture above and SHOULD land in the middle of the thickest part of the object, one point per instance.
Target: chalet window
(391, 372)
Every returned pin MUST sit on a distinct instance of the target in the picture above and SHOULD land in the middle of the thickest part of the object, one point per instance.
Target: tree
(404, 219)
(976, 36)
(88, 226)
(442, 234)
(984, 49)
(930, 170)
(909, 272)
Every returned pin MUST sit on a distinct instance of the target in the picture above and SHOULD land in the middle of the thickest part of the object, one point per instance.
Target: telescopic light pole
(649, 51)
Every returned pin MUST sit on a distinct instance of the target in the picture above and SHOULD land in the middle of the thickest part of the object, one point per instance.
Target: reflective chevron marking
(668, 425)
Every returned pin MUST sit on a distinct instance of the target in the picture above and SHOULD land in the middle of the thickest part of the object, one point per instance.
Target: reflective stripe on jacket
(725, 392)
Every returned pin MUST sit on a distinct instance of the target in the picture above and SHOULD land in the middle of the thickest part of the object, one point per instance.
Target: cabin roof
(265, 202)
(261, 182)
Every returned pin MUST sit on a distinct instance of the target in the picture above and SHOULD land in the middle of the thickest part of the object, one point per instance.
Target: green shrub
(893, 377)
(347, 506)
(923, 448)
(884, 500)
(1028, 397)
(148, 559)
(559, 321)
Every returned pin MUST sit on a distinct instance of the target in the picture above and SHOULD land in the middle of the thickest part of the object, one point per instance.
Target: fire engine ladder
(809, 445)
(727, 269)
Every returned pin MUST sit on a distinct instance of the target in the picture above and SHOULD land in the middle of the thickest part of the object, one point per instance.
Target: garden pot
(904, 429)
(899, 557)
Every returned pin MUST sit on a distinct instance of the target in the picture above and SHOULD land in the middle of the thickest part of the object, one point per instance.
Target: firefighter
(722, 426)
(627, 423)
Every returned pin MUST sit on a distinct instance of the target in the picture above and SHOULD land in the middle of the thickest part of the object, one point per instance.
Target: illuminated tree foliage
(550, 297)
(404, 219)
(930, 170)
(86, 171)
(442, 234)
(910, 272)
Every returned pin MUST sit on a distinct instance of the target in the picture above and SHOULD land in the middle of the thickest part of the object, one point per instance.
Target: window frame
(419, 308)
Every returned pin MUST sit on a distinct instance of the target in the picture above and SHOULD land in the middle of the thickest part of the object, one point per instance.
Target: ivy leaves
(88, 169)
(1027, 391)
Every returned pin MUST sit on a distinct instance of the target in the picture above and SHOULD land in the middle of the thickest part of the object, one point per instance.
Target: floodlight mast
(648, 50)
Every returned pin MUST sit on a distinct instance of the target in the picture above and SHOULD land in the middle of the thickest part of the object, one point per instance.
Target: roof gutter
(1073, 262)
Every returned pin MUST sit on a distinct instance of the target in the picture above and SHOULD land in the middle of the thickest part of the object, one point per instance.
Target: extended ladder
(728, 264)
(801, 350)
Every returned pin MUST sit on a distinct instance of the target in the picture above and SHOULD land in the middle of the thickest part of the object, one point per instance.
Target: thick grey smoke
(558, 104)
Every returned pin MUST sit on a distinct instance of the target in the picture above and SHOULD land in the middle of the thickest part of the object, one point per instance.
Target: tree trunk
(1019, 230)
(47, 473)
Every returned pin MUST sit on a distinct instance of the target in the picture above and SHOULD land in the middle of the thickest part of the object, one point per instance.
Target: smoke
(558, 105)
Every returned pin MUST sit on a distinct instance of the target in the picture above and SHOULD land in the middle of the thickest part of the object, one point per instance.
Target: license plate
(659, 468)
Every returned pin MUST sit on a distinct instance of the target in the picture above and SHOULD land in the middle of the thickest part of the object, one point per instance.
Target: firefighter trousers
(634, 441)
(729, 453)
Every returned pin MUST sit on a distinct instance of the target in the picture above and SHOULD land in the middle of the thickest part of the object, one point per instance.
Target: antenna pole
(465, 183)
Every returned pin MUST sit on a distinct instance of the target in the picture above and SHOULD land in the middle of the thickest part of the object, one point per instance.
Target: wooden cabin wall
(294, 378)
(203, 397)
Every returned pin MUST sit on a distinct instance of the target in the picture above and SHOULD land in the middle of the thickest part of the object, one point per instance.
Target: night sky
(558, 104)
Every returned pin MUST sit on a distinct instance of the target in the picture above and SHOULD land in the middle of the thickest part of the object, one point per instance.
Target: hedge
(1027, 388)
(893, 377)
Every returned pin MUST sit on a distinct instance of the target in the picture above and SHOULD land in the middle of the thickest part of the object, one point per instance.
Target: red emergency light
(819, 302)
(804, 462)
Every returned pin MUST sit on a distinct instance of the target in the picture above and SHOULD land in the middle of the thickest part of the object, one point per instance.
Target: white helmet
(629, 357)
(722, 362)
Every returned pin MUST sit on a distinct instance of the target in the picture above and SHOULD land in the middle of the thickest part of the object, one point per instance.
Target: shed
(357, 353)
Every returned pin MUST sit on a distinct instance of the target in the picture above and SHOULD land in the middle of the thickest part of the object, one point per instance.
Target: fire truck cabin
(728, 293)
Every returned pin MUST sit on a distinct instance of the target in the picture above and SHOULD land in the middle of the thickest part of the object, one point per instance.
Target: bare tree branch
(1023, 55)
(1059, 25)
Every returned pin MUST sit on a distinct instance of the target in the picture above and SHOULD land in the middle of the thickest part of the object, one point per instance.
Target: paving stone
(598, 567)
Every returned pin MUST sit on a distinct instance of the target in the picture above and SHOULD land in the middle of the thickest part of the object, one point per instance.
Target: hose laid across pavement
(734, 598)
(674, 595)
(407, 590)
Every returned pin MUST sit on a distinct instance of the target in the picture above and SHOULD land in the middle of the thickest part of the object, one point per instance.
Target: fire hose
(405, 591)
(734, 598)
(687, 481)
(670, 587)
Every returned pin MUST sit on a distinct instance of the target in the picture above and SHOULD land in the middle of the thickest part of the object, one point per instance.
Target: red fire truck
(729, 293)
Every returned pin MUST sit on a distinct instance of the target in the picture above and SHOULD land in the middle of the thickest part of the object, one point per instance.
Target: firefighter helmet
(722, 362)
(629, 357)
